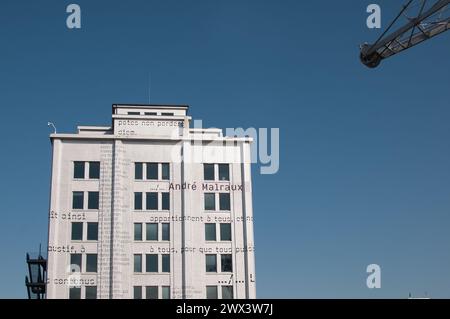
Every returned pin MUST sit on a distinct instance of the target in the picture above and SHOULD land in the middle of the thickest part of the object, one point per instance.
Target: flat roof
(145, 106)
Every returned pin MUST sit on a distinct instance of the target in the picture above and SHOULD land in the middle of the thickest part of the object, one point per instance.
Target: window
(165, 231)
(224, 200)
(75, 262)
(91, 292)
(138, 231)
(208, 172)
(211, 263)
(137, 292)
(93, 200)
(150, 113)
(77, 231)
(137, 201)
(92, 231)
(78, 169)
(165, 292)
(224, 172)
(165, 171)
(227, 292)
(211, 292)
(227, 263)
(91, 262)
(167, 114)
(137, 263)
(75, 293)
(78, 200)
(165, 201)
(151, 292)
(151, 263)
(94, 170)
(138, 171)
(225, 232)
(134, 113)
(210, 201)
(210, 232)
(165, 263)
(152, 201)
(152, 170)
(152, 231)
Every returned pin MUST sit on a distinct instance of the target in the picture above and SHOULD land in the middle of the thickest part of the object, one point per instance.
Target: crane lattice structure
(424, 20)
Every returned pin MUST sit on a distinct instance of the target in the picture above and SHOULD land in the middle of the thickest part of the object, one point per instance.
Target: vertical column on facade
(176, 229)
(54, 220)
(247, 214)
(238, 239)
(104, 276)
(121, 223)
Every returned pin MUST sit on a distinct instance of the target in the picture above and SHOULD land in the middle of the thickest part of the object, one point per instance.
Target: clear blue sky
(365, 154)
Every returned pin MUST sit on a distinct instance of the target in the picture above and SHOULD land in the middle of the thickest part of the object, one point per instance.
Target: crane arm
(427, 24)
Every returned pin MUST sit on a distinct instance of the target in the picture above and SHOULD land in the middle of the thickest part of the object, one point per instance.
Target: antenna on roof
(52, 125)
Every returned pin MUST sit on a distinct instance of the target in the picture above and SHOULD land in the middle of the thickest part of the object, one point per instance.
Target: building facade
(150, 208)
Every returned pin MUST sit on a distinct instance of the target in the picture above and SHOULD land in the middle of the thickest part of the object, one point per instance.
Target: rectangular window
(74, 293)
(208, 172)
(78, 200)
(138, 231)
(211, 292)
(210, 232)
(137, 201)
(165, 201)
(137, 292)
(151, 263)
(165, 263)
(134, 113)
(225, 232)
(210, 201)
(151, 113)
(152, 171)
(211, 263)
(93, 200)
(138, 171)
(91, 262)
(151, 231)
(92, 231)
(77, 231)
(165, 171)
(91, 292)
(227, 263)
(94, 170)
(224, 172)
(165, 231)
(166, 114)
(165, 292)
(78, 169)
(137, 263)
(152, 201)
(151, 292)
(227, 292)
(224, 200)
(75, 262)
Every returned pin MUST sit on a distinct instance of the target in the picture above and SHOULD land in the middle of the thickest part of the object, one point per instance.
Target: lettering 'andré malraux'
(149, 207)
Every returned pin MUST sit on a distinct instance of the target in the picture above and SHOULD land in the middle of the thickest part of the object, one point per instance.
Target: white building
(150, 208)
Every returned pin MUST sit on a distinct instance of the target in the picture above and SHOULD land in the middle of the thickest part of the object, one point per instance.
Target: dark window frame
(207, 166)
(72, 231)
(93, 200)
(91, 268)
(75, 170)
(94, 170)
(74, 193)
